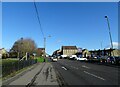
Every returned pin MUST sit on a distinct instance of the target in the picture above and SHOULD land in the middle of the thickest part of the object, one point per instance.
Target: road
(80, 73)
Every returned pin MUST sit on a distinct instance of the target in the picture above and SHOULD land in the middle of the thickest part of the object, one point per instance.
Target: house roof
(69, 47)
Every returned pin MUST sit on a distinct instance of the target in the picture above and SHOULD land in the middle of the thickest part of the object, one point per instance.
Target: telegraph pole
(44, 46)
(106, 17)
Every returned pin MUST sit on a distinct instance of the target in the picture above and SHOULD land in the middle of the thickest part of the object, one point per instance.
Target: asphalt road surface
(80, 73)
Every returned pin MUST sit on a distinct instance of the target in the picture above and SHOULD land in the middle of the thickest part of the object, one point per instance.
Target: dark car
(103, 59)
(117, 60)
(113, 60)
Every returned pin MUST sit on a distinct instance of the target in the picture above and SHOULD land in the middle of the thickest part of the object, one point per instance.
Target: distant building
(116, 52)
(40, 51)
(69, 50)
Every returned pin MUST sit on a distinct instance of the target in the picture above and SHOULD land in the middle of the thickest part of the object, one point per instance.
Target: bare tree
(22, 46)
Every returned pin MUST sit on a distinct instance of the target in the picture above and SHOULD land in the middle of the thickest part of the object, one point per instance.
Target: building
(40, 51)
(69, 50)
(116, 52)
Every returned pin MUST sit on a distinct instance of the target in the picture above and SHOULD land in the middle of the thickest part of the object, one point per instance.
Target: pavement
(47, 76)
(81, 73)
(41, 74)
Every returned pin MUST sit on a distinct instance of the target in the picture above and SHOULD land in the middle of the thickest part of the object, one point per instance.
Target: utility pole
(106, 17)
(44, 46)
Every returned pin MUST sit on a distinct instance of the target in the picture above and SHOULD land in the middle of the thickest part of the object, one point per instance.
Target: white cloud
(116, 45)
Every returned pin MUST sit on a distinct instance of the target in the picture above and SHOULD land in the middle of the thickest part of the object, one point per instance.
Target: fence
(11, 67)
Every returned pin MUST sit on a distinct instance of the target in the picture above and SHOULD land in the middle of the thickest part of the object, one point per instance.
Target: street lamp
(106, 17)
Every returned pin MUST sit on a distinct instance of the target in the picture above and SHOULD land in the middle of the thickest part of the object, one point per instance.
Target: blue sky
(80, 24)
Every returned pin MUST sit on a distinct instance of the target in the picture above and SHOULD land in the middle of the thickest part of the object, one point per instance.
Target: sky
(80, 24)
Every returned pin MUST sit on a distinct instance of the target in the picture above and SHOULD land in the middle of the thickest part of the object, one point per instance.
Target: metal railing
(12, 67)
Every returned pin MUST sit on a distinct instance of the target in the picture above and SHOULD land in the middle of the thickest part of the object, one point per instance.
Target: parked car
(81, 59)
(117, 60)
(54, 59)
(113, 60)
(59, 57)
(64, 56)
(51, 57)
(73, 57)
(110, 60)
(103, 59)
(95, 57)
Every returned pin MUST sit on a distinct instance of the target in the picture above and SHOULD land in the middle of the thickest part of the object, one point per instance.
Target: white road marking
(85, 67)
(64, 68)
(94, 75)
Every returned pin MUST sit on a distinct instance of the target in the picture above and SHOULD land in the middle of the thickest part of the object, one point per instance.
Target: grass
(11, 60)
(41, 59)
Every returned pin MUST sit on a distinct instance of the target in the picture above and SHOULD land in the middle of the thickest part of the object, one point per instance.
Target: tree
(23, 46)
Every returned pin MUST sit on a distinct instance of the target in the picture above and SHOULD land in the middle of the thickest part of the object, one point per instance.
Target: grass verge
(41, 59)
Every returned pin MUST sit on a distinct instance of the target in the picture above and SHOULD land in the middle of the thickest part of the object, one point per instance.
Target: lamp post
(106, 17)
